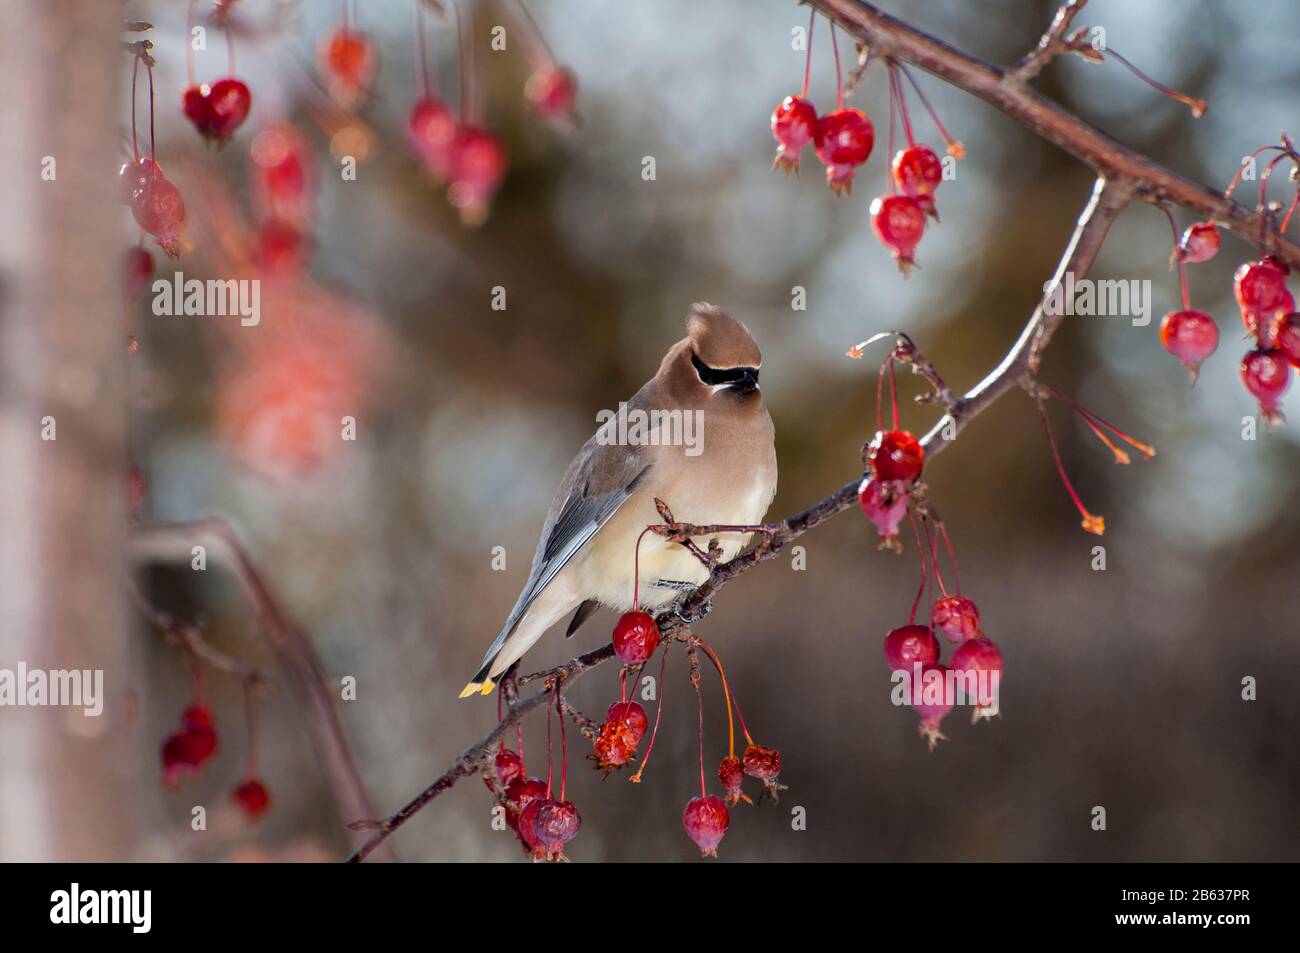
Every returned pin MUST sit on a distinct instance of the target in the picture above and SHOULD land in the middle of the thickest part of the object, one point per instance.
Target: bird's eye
(714, 376)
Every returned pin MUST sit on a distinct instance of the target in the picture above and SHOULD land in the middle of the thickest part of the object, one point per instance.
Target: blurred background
(1122, 687)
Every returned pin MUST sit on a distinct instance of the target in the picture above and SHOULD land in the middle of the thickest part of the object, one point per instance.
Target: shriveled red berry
(1267, 374)
(614, 746)
(899, 221)
(1191, 336)
(794, 122)
(764, 764)
(731, 774)
(1286, 336)
(555, 824)
(932, 699)
(552, 91)
(909, 645)
(137, 269)
(706, 820)
(917, 171)
(253, 798)
(630, 714)
(957, 618)
(983, 658)
(526, 827)
(636, 637)
(885, 504)
(160, 210)
(478, 165)
(895, 455)
(1259, 287)
(1200, 242)
(431, 132)
(843, 140)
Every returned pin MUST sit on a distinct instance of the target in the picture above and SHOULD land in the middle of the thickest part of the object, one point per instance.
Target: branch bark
(1122, 175)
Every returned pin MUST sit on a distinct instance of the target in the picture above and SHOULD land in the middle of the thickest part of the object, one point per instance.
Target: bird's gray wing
(599, 480)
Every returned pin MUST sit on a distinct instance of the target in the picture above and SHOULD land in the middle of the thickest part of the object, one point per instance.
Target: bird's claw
(696, 616)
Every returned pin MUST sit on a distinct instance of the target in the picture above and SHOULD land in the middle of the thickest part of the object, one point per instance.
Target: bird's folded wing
(599, 480)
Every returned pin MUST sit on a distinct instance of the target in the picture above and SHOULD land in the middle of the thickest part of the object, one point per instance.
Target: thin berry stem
(896, 87)
(550, 748)
(699, 707)
(189, 43)
(1263, 180)
(880, 394)
(839, 76)
(1286, 219)
(537, 50)
(1091, 523)
(1241, 169)
(421, 46)
(1197, 106)
(636, 569)
(1182, 265)
(230, 50)
(807, 63)
(135, 73)
(952, 553)
(932, 537)
(564, 743)
(726, 691)
(1145, 449)
(893, 108)
(153, 142)
(251, 723)
(893, 391)
(955, 148)
(659, 711)
(920, 590)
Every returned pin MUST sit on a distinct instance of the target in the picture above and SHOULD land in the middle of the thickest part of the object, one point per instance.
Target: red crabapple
(932, 699)
(508, 767)
(134, 176)
(478, 163)
(552, 91)
(957, 618)
(159, 209)
(1200, 242)
(1286, 336)
(1259, 287)
(794, 122)
(1267, 374)
(526, 827)
(843, 140)
(899, 221)
(706, 820)
(1191, 336)
(555, 824)
(253, 798)
(614, 746)
(136, 271)
(764, 764)
(982, 657)
(885, 504)
(917, 171)
(520, 793)
(219, 109)
(895, 455)
(431, 130)
(281, 248)
(731, 773)
(347, 58)
(632, 715)
(909, 645)
(636, 637)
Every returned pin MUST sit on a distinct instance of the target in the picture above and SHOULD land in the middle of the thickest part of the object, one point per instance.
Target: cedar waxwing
(698, 437)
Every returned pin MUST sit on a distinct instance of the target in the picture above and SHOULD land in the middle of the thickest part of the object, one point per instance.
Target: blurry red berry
(282, 174)
(909, 645)
(197, 716)
(632, 715)
(636, 637)
(1286, 335)
(431, 132)
(731, 774)
(917, 171)
(895, 455)
(253, 798)
(137, 269)
(1267, 374)
(136, 487)
(794, 122)
(160, 210)
(347, 59)
(843, 140)
(1191, 336)
(980, 655)
(899, 222)
(281, 248)
(478, 164)
(957, 618)
(885, 504)
(706, 820)
(1200, 242)
(555, 824)
(552, 91)
(1259, 287)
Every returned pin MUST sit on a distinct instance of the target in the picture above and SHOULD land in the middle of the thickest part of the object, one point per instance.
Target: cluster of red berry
(1267, 306)
(843, 140)
(459, 152)
(185, 752)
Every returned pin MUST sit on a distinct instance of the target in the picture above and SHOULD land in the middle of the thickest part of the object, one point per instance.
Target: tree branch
(1122, 175)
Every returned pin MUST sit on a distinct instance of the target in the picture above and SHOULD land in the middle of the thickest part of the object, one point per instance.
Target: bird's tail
(480, 684)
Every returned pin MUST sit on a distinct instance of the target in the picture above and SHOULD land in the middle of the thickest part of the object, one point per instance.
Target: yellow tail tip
(480, 688)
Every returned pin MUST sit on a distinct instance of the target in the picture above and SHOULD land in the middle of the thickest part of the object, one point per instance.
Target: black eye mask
(732, 375)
